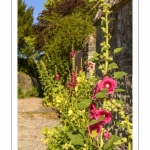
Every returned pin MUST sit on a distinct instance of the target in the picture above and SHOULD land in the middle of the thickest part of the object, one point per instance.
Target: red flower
(90, 65)
(71, 84)
(57, 77)
(108, 83)
(93, 112)
(96, 89)
(106, 115)
(96, 114)
(106, 135)
(72, 53)
(97, 127)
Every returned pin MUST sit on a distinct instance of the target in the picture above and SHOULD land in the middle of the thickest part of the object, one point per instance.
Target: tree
(25, 22)
(26, 40)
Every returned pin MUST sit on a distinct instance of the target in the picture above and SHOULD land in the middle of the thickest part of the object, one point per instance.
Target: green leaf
(95, 57)
(112, 66)
(119, 142)
(119, 74)
(96, 54)
(95, 121)
(101, 94)
(120, 90)
(117, 50)
(76, 138)
(82, 131)
(111, 19)
(92, 79)
(84, 104)
(92, 122)
(109, 145)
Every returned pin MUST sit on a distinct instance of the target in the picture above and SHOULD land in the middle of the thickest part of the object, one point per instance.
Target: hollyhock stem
(104, 102)
(106, 59)
(101, 140)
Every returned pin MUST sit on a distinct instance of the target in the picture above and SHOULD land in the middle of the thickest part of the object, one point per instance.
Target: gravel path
(32, 118)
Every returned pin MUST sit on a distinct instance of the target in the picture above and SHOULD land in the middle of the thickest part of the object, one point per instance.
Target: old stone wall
(121, 31)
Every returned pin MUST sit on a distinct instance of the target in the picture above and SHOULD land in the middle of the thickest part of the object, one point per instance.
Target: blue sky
(38, 7)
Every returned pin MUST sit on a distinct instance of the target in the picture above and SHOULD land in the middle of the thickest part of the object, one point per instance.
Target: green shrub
(32, 92)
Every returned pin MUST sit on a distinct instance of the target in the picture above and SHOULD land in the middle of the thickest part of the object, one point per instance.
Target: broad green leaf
(76, 138)
(84, 104)
(112, 66)
(117, 101)
(119, 74)
(95, 121)
(117, 50)
(109, 145)
(111, 19)
(101, 94)
(92, 122)
(82, 131)
(96, 54)
(93, 59)
(119, 142)
(120, 90)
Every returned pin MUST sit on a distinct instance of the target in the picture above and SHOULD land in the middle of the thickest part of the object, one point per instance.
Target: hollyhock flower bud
(106, 135)
(57, 77)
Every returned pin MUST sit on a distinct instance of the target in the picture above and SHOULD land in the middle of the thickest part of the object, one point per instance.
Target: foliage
(49, 85)
(58, 29)
(32, 92)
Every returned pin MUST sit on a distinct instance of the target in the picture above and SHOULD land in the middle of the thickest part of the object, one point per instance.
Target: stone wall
(121, 31)
(82, 56)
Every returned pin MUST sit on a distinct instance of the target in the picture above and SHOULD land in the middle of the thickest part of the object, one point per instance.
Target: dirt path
(32, 118)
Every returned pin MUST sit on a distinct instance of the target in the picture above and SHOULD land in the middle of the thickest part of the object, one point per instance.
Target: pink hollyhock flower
(95, 91)
(96, 114)
(72, 53)
(106, 135)
(106, 115)
(93, 112)
(97, 127)
(57, 77)
(108, 83)
(90, 65)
